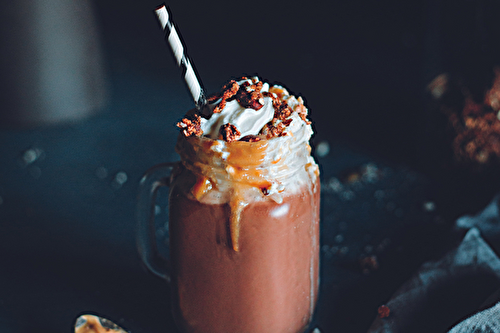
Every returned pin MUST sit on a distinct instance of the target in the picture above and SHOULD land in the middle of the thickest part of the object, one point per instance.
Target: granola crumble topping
(275, 128)
(228, 91)
(249, 94)
(229, 132)
(302, 111)
(281, 108)
(191, 125)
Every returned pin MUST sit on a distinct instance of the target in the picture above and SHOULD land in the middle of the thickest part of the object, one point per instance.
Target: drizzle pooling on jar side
(253, 146)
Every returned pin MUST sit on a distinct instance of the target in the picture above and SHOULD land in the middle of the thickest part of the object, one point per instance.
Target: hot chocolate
(244, 214)
(269, 285)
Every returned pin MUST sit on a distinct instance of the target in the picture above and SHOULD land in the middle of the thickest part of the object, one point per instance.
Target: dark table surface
(68, 191)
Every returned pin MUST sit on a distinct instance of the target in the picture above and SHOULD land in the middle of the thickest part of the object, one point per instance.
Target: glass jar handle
(153, 179)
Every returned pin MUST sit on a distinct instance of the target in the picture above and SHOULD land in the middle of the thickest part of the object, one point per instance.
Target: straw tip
(161, 10)
(162, 14)
(161, 7)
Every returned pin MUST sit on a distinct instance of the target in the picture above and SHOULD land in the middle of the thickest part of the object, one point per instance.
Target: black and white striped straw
(173, 40)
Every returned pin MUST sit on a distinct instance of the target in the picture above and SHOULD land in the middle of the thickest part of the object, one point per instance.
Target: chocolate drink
(269, 285)
(244, 217)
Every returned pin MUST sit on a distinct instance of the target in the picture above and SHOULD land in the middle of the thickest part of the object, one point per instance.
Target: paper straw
(173, 40)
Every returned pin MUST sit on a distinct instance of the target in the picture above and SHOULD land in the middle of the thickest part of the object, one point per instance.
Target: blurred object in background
(51, 65)
(460, 140)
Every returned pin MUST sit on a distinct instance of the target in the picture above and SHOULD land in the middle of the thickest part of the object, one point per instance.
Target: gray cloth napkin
(487, 321)
(487, 221)
(456, 292)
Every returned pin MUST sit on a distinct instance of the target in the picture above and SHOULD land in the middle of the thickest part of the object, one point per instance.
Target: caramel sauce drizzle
(236, 205)
(242, 165)
(243, 160)
(201, 187)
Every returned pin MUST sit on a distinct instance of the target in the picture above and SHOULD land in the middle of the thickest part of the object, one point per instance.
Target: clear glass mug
(239, 262)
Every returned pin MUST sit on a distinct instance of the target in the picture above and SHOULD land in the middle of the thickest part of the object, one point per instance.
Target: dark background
(346, 58)
(363, 66)
(67, 224)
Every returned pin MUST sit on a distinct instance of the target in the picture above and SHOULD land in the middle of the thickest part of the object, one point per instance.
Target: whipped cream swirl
(247, 120)
(261, 170)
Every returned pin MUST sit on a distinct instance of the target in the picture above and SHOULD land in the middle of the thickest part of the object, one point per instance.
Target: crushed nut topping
(250, 96)
(248, 92)
(281, 108)
(228, 91)
(229, 132)
(191, 125)
(275, 128)
(302, 111)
